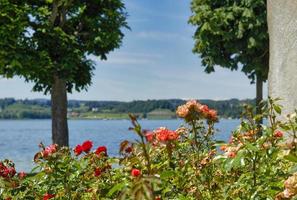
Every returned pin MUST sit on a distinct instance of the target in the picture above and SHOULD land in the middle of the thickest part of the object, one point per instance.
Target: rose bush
(258, 162)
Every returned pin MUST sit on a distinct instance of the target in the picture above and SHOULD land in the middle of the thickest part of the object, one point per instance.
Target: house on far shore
(73, 114)
(95, 109)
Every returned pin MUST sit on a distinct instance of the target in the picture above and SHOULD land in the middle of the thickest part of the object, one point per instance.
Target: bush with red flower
(170, 160)
(187, 163)
(61, 174)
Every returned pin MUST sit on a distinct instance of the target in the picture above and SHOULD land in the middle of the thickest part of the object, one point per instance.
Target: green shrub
(187, 163)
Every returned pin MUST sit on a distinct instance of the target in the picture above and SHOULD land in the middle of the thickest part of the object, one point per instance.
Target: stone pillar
(282, 78)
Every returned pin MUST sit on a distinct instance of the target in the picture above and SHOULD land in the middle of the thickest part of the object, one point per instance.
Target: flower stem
(146, 155)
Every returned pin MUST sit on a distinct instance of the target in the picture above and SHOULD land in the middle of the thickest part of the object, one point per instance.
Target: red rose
(204, 109)
(48, 151)
(172, 135)
(12, 171)
(135, 172)
(44, 154)
(48, 196)
(8, 198)
(101, 150)
(162, 134)
(22, 175)
(149, 136)
(128, 149)
(8, 172)
(278, 134)
(97, 172)
(223, 148)
(1, 166)
(78, 150)
(212, 115)
(231, 154)
(5, 172)
(87, 145)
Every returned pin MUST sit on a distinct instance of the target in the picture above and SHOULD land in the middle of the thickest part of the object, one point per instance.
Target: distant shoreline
(104, 119)
(107, 110)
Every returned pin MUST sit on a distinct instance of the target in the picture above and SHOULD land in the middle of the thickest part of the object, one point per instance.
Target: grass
(156, 114)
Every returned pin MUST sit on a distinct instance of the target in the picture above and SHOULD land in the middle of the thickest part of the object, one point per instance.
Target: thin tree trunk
(259, 97)
(60, 134)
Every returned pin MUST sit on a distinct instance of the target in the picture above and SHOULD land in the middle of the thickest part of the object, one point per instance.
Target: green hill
(152, 109)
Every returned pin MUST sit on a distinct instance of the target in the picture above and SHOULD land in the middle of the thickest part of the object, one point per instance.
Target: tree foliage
(54, 38)
(13, 23)
(231, 34)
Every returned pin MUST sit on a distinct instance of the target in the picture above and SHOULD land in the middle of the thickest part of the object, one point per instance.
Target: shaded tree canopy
(43, 39)
(13, 23)
(231, 34)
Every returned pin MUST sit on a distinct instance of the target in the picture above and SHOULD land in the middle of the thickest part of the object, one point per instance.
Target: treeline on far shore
(11, 108)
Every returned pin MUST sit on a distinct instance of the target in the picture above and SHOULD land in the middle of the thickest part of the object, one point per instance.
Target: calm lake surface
(20, 138)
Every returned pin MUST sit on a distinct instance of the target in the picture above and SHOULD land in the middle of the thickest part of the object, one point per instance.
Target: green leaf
(277, 109)
(291, 157)
(251, 147)
(116, 188)
(236, 161)
(252, 42)
(242, 162)
(219, 158)
(285, 127)
(247, 13)
(167, 174)
(293, 170)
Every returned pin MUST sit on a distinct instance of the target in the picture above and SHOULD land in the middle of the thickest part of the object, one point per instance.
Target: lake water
(20, 138)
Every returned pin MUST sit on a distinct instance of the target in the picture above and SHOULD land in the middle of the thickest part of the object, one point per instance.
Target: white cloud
(129, 58)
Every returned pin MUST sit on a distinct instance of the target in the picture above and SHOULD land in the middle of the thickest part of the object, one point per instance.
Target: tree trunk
(60, 134)
(259, 94)
(259, 97)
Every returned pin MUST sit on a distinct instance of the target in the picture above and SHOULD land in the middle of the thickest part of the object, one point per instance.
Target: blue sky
(154, 62)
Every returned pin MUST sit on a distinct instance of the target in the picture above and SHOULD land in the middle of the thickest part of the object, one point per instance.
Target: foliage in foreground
(188, 163)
